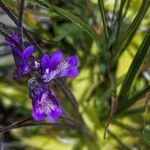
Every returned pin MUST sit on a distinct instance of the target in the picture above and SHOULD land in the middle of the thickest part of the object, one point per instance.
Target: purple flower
(54, 66)
(44, 101)
(21, 57)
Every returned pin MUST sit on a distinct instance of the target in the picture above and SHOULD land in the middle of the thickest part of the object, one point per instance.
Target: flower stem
(65, 89)
(14, 125)
(101, 7)
(67, 92)
(15, 20)
(8, 37)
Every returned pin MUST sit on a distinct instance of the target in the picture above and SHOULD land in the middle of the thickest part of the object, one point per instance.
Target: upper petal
(45, 61)
(69, 72)
(55, 59)
(55, 110)
(48, 75)
(13, 41)
(21, 71)
(15, 37)
(72, 61)
(55, 114)
(22, 65)
(37, 115)
(27, 52)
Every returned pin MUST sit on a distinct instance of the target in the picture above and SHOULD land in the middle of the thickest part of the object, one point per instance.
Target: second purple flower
(44, 101)
(54, 66)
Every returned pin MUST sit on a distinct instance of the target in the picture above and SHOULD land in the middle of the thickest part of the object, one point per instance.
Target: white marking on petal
(36, 64)
(45, 105)
(49, 75)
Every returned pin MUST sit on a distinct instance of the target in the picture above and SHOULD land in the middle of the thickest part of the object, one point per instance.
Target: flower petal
(45, 61)
(70, 72)
(28, 52)
(55, 110)
(72, 61)
(55, 114)
(55, 59)
(12, 42)
(37, 116)
(44, 101)
(15, 37)
(21, 71)
(22, 65)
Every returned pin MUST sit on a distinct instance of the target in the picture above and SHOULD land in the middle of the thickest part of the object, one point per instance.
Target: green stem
(125, 41)
(136, 63)
(119, 20)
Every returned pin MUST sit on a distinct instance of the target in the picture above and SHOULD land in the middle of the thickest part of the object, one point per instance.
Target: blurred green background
(97, 80)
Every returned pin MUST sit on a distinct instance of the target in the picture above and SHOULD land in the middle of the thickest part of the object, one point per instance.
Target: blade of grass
(126, 8)
(134, 132)
(114, 13)
(123, 146)
(134, 99)
(137, 61)
(119, 20)
(113, 109)
(67, 14)
(125, 41)
(102, 11)
(146, 110)
(130, 112)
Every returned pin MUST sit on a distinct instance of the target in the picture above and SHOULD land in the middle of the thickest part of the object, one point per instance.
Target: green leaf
(135, 98)
(125, 41)
(118, 140)
(134, 132)
(101, 7)
(137, 61)
(67, 14)
(130, 112)
(119, 21)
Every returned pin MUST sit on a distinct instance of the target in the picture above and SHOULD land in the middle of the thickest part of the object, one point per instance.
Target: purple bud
(21, 57)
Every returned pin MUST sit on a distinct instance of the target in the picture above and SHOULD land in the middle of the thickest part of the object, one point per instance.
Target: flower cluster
(49, 67)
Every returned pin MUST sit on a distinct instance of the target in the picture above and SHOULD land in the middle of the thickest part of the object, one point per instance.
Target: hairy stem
(15, 20)
(65, 89)
(14, 125)
(68, 123)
